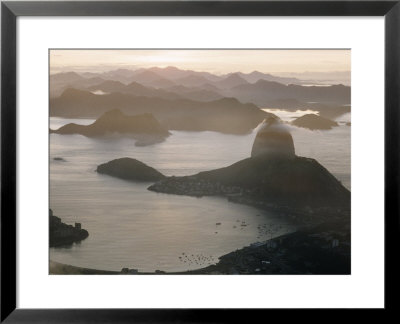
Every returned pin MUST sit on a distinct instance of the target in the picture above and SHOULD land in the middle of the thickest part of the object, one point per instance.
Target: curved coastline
(319, 249)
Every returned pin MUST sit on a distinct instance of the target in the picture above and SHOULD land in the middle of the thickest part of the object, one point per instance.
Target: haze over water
(130, 226)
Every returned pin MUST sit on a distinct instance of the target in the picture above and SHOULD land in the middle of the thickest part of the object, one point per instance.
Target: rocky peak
(273, 139)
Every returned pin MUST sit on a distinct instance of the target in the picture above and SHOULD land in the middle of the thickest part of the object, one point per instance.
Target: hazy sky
(215, 61)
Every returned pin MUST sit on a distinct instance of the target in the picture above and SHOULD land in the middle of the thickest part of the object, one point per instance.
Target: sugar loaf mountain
(273, 177)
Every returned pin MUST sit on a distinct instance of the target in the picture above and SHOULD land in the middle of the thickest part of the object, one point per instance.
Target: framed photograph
(163, 161)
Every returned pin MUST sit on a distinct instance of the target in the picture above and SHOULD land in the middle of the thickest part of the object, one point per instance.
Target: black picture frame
(9, 13)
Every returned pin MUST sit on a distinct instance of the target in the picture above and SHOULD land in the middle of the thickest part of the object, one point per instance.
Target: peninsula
(62, 234)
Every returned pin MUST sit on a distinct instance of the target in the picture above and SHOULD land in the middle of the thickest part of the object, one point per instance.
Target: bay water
(132, 227)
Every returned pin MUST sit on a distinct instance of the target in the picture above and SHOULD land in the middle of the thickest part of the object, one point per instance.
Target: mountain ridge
(226, 115)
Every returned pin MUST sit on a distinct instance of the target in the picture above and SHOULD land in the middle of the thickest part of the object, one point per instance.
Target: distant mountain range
(133, 88)
(255, 76)
(172, 83)
(190, 100)
(262, 92)
(173, 76)
(61, 81)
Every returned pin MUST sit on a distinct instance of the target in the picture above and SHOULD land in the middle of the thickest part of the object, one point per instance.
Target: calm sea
(132, 227)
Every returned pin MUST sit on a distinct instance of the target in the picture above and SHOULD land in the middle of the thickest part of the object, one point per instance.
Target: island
(130, 169)
(144, 127)
(314, 122)
(62, 234)
(57, 158)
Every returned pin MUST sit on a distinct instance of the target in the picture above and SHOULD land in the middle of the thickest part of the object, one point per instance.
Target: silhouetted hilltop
(192, 80)
(197, 94)
(262, 92)
(66, 77)
(109, 86)
(122, 75)
(115, 121)
(173, 73)
(232, 80)
(62, 81)
(255, 76)
(312, 121)
(149, 78)
(133, 88)
(167, 91)
(130, 169)
(224, 115)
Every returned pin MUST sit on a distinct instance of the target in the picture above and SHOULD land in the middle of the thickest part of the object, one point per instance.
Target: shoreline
(322, 249)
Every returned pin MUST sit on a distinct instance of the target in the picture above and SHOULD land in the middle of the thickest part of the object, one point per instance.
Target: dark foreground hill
(143, 127)
(319, 249)
(225, 115)
(130, 169)
(62, 234)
